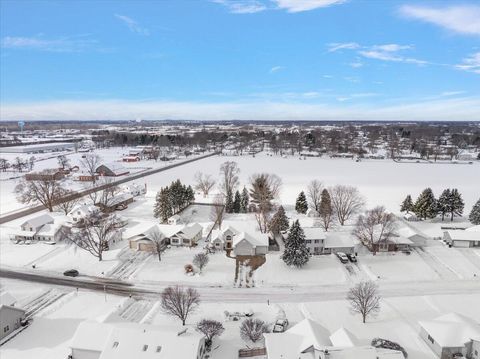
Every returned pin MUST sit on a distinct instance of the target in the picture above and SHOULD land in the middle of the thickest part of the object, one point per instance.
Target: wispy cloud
(451, 93)
(462, 19)
(242, 6)
(305, 5)
(445, 109)
(276, 69)
(133, 25)
(40, 43)
(336, 46)
(471, 63)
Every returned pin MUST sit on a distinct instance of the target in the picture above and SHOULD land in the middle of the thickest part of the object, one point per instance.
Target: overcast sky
(247, 59)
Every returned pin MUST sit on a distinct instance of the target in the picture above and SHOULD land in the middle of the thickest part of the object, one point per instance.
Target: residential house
(310, 340)
(405, 230)
(11, 317)
(394, 242)
(118, 202)
(320, 242)
(315, 239)
(452, 335)
(134, 189)
(113, 169)
(45, 175)
(80, 211)
(94, 340)
(188, 236)
(242, 243)
(175, 219)
(462, 239)
(29, 229)
(143, 236)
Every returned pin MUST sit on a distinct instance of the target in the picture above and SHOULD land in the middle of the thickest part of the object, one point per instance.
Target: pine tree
(244, 200)
(296, 251)
(426, 205)
(301, 206)
(163, 207)
(474, 216)
(456, 204)
(237, 202)
(190, 195)
(326, 210)
(407, 205)
(279, 221)
(229, 202)
(444, 203)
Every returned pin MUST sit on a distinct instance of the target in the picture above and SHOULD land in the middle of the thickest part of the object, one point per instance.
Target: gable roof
(314, 233)
(258, 240)
(7, 299)
(464, 235)
(343, 338)
(38, 221)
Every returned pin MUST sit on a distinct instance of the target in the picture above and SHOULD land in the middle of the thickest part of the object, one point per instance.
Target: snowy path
(136, 311)
(473, 256)
(40, 302)
(436, 265)
(131, 262)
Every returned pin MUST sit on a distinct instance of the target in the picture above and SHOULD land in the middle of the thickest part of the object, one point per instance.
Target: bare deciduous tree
(200, 260)
(96, 233)
(204, 183)
(253, 329)
(364, 299)
(90, 164)
(210, 329)
(45, 191)
(229, 172)
(218, 210)
(180, 302)
(68, 201)
(346, 202)
(104, 196)
(4, 164)
(314, 193)
(264, 189)
(159, 241)
(63, 161)
(375, 226)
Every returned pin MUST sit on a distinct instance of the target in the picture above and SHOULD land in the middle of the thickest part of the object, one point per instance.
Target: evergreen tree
(326, 210)
(229, 202)
(237, 202)
(296, 251)
(426, 205)
(163, 207)
(244, 200)
(456, 204)
(444, 203)
(407, 205)
(279, 221)
(190, 195)
(301, 206)
(474, 216)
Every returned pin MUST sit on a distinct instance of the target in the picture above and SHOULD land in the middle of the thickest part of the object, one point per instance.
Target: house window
(174, 240)
(317, 241)
(186, 241)
(431, 339)
(6, 329)
(308, 241)
(115, 344)
(145, 347)
(159, 349)
(476, 353)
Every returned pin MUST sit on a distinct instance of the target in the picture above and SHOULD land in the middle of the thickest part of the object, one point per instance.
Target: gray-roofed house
(11, 317)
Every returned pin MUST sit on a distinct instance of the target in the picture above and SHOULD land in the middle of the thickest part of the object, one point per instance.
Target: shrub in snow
(188, 268)
(200, 260)
(253, 329)
(211, 329)
(387, 344)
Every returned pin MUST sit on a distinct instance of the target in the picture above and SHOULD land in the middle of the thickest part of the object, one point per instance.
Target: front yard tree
(180, 302)
(218, 211)
(210, 329)
(301, 205)
(237, 202)
(474, 216)
(96, 233)
(90, 164)
(46, 192)
(426, 205)
(364, 299)
(4, 164)
(69, 200)
(229, 202)
(163, 207)
(407, 205)
(244, 200)
(279, 221)
(252, 329)
(346, 202)
(159, 241)
(265, 188)
(296, 251)
(204, 183)
(229, 177)
(326, 211)
(314, 191)
(374, 227)
(63, 161)
(456, 204)
(200, 260)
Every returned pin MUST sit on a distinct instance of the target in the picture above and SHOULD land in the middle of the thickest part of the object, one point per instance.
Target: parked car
(71, 273)
(235, 316)
(342, 256)
(406, 251)
(352, 257)
(280, 326)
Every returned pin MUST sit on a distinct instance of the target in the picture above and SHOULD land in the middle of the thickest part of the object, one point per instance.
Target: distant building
(112, 169)
(117, 203)
(38, 148)
(81, 211)
(462, 239)
(45, 175)
(131, 158)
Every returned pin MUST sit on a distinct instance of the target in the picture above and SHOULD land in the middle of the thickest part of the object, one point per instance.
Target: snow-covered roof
(38, 221)
(83, 209)
(339, 240)
(257, 240)
(191, 230)
(452, 330)
(7, 299)
(343, 338)
(314, 233)
(313, 334)
(464, 235)
(115, 167)
(474, 228)
(131, 340)
(119, 198)
(174, 217)
(48, 230)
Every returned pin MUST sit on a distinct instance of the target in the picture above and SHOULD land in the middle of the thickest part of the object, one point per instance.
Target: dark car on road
(71, 273)
(352, 257)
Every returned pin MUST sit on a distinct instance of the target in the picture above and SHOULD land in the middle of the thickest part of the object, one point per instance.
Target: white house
(462, 239)
(310, 340)
(452, 334)
(320, 242)
(187, 236)
(41, 228)
(10, 316)
(94, 340)
(242, 243)
(80, 212)
(315, 239)
(175, 219)
(134, 189)
(404, 230)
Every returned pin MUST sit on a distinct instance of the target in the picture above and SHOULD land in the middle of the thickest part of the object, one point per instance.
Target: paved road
(248, 295)
(30, 210)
